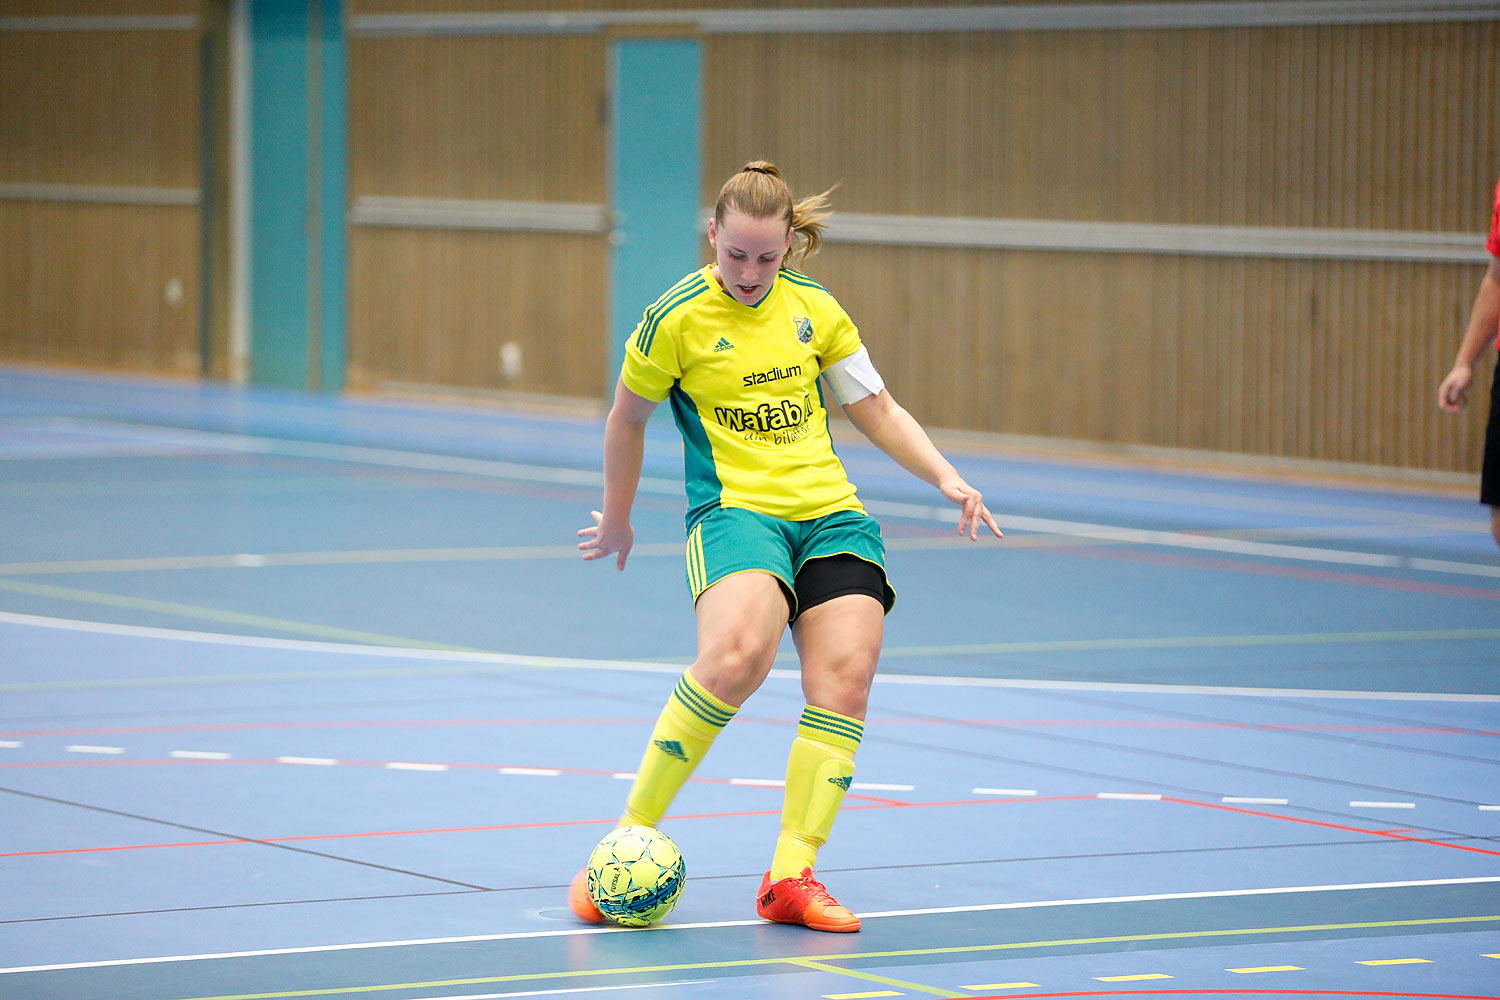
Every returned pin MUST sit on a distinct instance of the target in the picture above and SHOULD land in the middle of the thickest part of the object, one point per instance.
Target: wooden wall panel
(88, 285)
(529, 6)
(96, 8)
(1364, 127)
(1325, 360)
(488, 118)
(433, 307)
(117, 108)
(86, 282)
(1382, 127)
(502, 118)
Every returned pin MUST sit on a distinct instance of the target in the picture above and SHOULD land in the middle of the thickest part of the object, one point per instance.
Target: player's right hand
(600, 541)
(1454, 392)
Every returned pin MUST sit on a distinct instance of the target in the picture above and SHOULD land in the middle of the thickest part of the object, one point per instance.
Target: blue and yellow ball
(636, 875)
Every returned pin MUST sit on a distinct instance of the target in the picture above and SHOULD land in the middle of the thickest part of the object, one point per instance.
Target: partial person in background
(1483, 329)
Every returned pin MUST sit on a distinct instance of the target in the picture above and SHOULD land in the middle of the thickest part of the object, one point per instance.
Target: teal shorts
(732, 540)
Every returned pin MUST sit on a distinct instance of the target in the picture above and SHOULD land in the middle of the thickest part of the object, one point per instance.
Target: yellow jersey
(743, 385)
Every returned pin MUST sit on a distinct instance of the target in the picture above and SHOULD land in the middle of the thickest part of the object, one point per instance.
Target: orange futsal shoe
(579, 901)
(803, 900)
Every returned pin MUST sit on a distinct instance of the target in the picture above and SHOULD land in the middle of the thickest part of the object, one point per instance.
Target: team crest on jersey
(804, 330)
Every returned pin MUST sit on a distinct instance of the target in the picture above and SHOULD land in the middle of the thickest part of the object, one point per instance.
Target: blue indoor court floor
(311, 696)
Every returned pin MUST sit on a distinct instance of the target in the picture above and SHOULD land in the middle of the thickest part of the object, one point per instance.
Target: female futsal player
(775, 532)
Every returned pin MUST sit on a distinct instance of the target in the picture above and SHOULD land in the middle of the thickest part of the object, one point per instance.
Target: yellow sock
(684, 731)
(819, 771)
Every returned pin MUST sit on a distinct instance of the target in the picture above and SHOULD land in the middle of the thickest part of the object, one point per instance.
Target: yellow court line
(1115, 644)
(808, 963)
(1003, 986)
(1195, 642)
(333, 557)
(853, 956)
(230, 617)
(349, 641)
(1268, 968)
(1167, 936)
(1132, 979)
(1397, 961)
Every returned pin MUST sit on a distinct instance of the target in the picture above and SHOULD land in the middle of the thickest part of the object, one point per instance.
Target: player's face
(748, 252)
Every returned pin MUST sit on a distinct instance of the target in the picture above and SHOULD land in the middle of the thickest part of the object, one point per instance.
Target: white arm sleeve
(854, 378)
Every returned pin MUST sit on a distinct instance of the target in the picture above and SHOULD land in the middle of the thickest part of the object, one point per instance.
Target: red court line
(1329, 826)
(26, 765)
(1296, 993)
(874, 803)
(231, 727)
(1276, 569)
(239, 841)
(267, 761)
(551, 824)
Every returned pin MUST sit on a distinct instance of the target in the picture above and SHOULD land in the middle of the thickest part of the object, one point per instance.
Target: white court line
(495, 469)
(867, 786)
(670, 928)
(1185, 540)
(1251, 800)
(538, 772)
(1130, 796)
(312, 761)
(575, 989)
(397, 765)
(1361, 804)
(1017, 792)
(758, 782)
(10, 744)
(84, 748)
(200, 755)
(1158, 897)
(675, 669)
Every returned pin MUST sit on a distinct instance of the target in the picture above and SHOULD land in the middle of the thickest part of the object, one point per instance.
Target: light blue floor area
(320, 687)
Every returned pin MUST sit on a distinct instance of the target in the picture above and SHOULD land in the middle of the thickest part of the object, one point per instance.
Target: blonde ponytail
(759, 191)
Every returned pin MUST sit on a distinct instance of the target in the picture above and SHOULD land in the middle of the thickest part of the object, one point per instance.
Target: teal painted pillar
(298, 158)
(656, 175)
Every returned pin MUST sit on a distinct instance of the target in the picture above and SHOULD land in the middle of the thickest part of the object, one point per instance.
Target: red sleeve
(1494, 243)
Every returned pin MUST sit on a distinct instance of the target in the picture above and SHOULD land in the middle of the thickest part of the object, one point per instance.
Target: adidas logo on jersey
(723, 345)
(672, 749)
(843, 781)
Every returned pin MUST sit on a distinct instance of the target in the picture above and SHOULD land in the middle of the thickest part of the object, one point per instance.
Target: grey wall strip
(121, 22)
(1070, 17)
(453, 213)
(1133, 237)
(98, 194)
(989, 234)
(1017, 17)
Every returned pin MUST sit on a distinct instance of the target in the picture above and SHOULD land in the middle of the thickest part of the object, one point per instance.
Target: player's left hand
(974, 511)
(606, 539)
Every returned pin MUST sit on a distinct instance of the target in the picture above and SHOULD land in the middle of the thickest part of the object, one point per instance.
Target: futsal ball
(636, 875)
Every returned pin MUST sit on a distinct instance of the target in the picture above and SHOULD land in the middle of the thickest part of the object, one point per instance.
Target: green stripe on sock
(823, 718)
(702, 704)
(821, 724)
